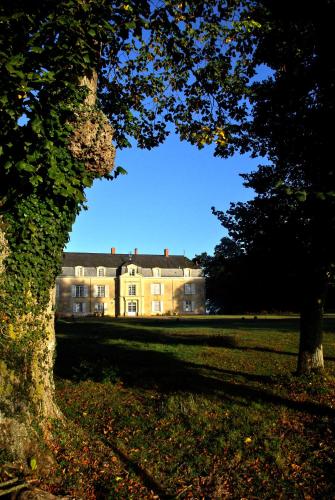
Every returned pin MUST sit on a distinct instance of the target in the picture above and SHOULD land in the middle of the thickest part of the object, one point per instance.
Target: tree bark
(91, 82)
(310, 357)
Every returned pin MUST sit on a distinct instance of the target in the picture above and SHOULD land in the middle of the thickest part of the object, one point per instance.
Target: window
(79, 307)
(100, 307)
(132, 307)
(189, 288)
(188, 306)
(187, 272)
(157, 289)
(101, 271)
(101, 292)
(156, 272)
(157, 306)
(131, 271)
(79, 271)
(131, 289)
(80, 291)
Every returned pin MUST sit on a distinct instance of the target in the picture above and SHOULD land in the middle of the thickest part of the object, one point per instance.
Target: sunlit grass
(198, 407)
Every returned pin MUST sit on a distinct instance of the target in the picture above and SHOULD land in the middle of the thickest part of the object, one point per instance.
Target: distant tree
(224, 277)
(256, 279)
(266, 276)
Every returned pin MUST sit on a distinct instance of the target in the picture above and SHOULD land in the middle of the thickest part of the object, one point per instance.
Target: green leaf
(22, 165)
(36, 49)
(301, 195)
(36, 125)
(131, 25)
(33, 463)
(121, 170)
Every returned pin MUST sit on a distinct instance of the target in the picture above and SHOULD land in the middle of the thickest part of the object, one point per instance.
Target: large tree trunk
(310, 347)
(27, 402)
(310, 357)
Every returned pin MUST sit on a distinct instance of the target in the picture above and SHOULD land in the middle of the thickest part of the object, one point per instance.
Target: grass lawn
(198, 408)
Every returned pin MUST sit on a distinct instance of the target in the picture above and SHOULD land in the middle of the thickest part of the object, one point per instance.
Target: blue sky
(164, 201)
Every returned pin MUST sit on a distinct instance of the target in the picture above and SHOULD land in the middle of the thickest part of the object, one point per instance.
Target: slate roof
(72, 259)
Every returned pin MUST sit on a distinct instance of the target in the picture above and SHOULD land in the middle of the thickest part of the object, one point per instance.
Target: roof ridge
(127, 254)
(94, 259)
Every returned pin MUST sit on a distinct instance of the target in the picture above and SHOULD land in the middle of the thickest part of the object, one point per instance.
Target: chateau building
(129, 285)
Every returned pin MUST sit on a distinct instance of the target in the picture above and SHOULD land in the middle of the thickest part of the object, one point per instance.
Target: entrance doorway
(132, 308)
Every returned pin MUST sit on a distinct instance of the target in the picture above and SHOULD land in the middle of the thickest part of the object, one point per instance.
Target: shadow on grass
(256, 323)
(86, 356)
(278, 324)
(126, 331)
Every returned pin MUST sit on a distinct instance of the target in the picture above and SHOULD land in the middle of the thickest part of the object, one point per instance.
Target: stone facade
(129, 285)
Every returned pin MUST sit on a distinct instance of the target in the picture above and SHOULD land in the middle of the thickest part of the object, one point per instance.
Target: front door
(132, 308)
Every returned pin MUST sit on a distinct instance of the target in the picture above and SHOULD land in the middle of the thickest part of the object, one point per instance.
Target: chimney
(166, 252)
(113, 250)
(136, 251)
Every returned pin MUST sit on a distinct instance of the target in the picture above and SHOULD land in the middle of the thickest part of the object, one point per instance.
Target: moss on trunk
(27, 346)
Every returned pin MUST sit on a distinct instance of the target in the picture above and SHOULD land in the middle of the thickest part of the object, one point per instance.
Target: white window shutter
(162, 288)
(74, 308)
(193, 306)
(193, 287)
(84, 307)
(105, 306)
(184, 305)
(106, 290)
(73, 290)
(161, 306)
(95, 291)
(85, 291)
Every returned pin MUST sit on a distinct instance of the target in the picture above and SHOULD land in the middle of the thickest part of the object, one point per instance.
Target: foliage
(268, 272)
(228, 279)
(189, 418)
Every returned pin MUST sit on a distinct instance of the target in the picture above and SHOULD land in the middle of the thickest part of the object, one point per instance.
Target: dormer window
(187, 273)
(79, 271)
(156, 272)
(101, 271)
(131, 271)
